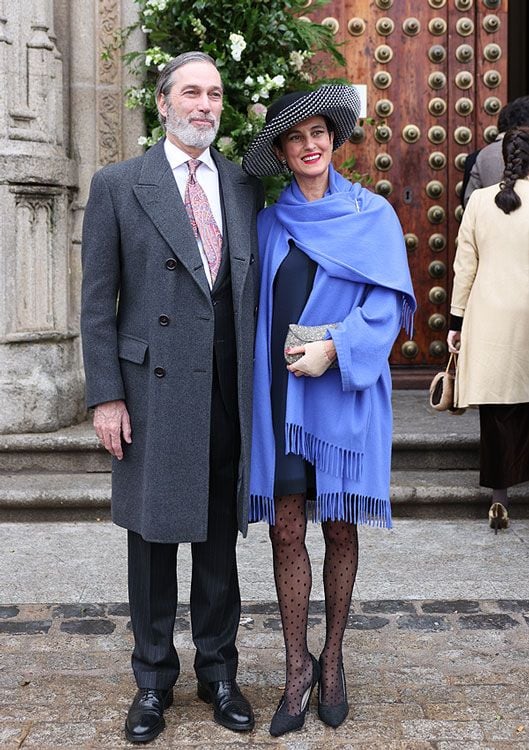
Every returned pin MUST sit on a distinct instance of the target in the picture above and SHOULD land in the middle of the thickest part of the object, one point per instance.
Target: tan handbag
(442, 388)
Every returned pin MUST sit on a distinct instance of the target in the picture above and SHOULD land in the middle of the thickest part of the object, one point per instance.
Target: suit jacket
(147, 327)
(487, 169)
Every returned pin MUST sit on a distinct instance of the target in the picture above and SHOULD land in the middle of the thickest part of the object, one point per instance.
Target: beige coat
(491, 292)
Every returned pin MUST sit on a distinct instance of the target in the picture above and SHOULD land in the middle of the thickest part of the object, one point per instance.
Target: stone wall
(61, 117)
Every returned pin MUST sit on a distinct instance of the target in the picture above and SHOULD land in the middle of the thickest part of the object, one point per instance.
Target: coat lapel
(238, 209)
(159, 197)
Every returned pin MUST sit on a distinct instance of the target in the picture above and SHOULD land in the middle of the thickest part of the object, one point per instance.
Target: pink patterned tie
(202, 219)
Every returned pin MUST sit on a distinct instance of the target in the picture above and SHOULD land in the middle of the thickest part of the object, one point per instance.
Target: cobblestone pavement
(422, 674)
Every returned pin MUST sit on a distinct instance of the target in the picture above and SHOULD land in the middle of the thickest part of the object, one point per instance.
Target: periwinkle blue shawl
(342, 421)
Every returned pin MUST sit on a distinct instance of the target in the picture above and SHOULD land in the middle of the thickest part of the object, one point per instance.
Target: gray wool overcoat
(147, 331)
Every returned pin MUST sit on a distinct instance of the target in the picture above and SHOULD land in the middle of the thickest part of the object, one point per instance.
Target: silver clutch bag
(300, 335)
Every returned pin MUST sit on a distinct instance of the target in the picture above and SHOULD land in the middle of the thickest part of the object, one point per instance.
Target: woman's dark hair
(515, 149)
(514, 114)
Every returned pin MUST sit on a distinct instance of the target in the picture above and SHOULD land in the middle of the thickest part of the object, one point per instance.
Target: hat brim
(340, 103)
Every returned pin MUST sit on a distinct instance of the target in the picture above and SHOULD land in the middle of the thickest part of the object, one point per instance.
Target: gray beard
(187, 133)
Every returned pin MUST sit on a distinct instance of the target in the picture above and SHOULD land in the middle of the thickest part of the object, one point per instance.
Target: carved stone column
(102, 129)
(62, 116)
(40, 377)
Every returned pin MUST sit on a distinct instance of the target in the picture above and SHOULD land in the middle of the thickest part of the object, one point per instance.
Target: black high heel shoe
(334, 715)
(283, 722)
(498, 517)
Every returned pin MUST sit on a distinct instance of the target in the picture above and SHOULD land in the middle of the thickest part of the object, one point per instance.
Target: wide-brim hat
(339, 103)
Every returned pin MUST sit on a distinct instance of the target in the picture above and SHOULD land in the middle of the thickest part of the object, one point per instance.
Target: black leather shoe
(231, 709)
(145, 717)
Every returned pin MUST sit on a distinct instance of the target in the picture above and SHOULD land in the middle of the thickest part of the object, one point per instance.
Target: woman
(490, 322)
(331, 252)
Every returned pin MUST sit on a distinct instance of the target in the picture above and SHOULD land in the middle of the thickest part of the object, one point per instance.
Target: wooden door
(436, 76)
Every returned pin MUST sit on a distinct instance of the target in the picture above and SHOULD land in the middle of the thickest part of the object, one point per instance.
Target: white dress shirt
(208, 178)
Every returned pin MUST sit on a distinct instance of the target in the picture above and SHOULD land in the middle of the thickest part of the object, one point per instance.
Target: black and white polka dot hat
(338, 102)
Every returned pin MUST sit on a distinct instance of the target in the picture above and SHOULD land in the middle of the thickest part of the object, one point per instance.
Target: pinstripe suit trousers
(214, 599)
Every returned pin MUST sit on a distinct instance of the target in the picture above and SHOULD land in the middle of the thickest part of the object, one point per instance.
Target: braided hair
(515, 149)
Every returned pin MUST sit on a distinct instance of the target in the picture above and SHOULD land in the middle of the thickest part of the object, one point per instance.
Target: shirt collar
(176, 157)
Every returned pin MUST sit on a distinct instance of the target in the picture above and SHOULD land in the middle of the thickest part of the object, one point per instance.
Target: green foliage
(262, 48)
(347, 167)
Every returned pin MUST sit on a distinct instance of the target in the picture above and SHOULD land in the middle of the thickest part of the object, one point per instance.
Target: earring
(284, 163)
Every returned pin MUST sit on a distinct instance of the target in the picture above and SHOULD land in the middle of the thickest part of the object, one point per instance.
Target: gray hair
(165, 83)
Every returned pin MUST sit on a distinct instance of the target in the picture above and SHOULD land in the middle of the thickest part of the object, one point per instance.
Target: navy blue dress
(292, 288)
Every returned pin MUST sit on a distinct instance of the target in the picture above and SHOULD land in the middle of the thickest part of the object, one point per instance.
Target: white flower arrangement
(225, 145)
(297, 59)
(156, 5)
(136, 97)
(238, 45)
(266, 85)
(198, 28)
(257, 111)
(156, 56)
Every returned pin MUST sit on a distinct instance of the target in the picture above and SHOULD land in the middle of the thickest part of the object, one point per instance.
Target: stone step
(445, 494)
(412, 492)
(77, 449)
(22, 491)
(71, 449)
(436, 451)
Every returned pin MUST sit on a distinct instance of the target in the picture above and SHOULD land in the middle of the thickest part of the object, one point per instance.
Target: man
(487, 166)
(170, 278)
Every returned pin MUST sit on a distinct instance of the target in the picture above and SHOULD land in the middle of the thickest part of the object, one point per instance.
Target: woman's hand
(454, 341)
(317, 357)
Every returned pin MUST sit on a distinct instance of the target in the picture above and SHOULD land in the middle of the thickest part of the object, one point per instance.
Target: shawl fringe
(407, 314)
(360, 510)
(262, 509)
(331, 459)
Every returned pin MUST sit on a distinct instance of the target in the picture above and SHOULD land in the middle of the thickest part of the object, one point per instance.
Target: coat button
(256, 308)
(252, 259)
(159, 372)
(171, 264)
(163, 320)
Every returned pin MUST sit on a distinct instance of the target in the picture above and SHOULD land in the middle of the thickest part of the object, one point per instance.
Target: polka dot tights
(339, 573)
(293, 578)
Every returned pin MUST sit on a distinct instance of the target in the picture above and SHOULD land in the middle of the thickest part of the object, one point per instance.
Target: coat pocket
(131, 348)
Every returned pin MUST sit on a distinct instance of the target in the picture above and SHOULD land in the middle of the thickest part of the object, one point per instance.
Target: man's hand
(317, 357)
(111, 421)
(454, 341)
